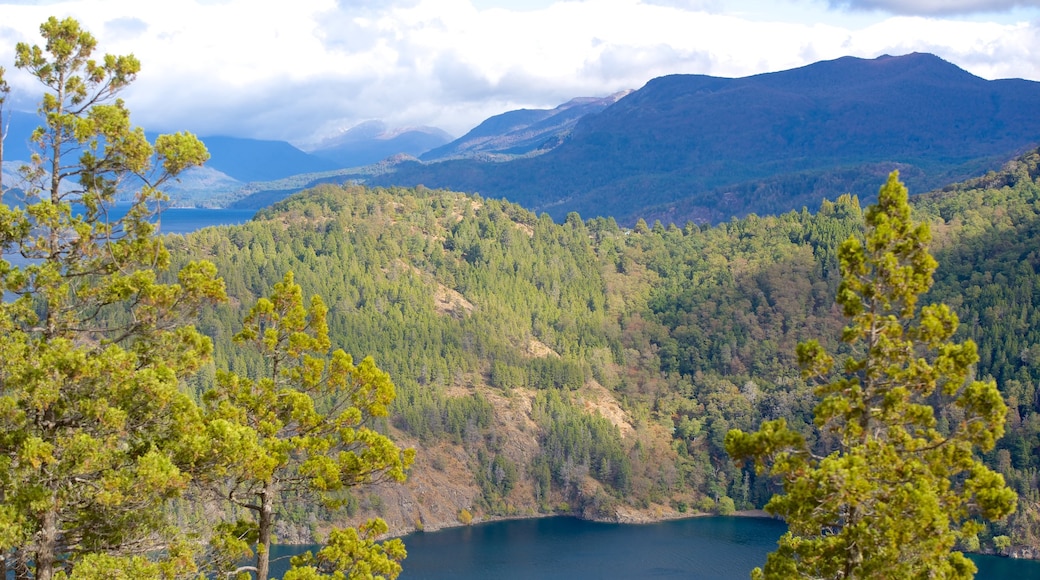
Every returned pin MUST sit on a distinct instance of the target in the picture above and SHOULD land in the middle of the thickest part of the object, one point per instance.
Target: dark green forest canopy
(691, 328)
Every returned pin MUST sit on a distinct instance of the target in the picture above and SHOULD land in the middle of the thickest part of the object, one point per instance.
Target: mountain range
(702, 148)
(372, 141)
(682, 148)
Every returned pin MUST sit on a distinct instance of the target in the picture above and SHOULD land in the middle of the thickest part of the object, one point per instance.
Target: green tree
(305, 425)
(95, 434)
(352, 554)
(898, 487)
(5, 89)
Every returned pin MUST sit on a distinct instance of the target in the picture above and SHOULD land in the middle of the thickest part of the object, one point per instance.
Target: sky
(306, 70)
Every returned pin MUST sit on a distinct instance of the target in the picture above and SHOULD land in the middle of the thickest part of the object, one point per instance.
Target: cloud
(125, 28)
(705, 5)
(935, 7)
(304, 70)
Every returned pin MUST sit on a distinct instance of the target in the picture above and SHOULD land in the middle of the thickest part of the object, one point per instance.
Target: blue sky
(308, 69)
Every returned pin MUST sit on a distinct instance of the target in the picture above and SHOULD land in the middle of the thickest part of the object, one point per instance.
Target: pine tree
(898, 482)
(302, 427)
(95, 434)
(5, 89)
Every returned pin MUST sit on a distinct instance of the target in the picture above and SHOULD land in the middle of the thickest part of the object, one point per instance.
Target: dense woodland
(692, 329)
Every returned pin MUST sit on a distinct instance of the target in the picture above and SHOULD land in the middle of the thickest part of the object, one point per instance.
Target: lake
(711, 548)
(175, 220)
(179, 220)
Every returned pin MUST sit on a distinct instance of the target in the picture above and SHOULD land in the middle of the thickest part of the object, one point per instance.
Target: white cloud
(294, 70)
(936, 7)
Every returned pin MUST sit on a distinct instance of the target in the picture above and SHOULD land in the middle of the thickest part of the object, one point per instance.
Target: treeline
(692, 328)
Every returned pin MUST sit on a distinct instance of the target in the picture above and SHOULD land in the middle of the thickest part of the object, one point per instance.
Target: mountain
(371, 142)
(702, 148)
(260, 160)
(523, 131)
(580, 368)
(233, 159)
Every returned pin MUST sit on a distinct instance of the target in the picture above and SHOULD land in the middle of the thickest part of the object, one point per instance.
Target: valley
(581, 368)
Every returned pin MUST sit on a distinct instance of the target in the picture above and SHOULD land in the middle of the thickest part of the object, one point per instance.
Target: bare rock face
(439, 487)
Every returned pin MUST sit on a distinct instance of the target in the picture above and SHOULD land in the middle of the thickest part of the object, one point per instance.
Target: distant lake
(711, 548)
(178, 220)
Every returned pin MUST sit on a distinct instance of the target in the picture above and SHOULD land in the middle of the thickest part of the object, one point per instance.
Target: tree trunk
(47, 548)
(3, 135)
(266, 526)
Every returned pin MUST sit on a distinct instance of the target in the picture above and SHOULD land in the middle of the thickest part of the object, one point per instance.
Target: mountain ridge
(372, 141)
(522, 131)
(716, 147)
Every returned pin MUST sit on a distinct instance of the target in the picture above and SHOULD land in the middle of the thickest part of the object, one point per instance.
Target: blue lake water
(714, 548)
(177, 220)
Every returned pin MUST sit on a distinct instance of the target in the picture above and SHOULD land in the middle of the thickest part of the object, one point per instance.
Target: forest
(478, 307)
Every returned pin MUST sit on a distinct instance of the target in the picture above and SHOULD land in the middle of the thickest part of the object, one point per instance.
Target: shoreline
(750, 514)
(753, 514)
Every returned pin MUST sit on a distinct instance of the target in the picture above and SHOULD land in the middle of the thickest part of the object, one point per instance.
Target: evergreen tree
(897, 485)
(5, 89)
(352, 554)
(95, 434)
(304, 426)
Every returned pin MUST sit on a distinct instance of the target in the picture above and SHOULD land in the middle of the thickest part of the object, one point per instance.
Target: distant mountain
(706, 148)
(371, 142)
(261, 160)
(523, 131)
(239, 159)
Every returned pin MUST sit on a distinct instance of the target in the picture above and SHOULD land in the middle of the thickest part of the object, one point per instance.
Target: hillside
(582, 368)
(522, 132)
(694, 147)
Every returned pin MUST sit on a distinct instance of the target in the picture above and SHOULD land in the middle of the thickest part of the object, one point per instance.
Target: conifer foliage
(95, 434)
(894, 482)
(98, 434)
(304, 426)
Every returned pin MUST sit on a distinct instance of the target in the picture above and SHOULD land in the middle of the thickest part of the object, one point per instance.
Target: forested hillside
(581, 367)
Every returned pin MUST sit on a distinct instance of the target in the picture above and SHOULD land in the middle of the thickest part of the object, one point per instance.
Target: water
(177, 220)
(184, 220)
(173, 220)
(716, 548)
